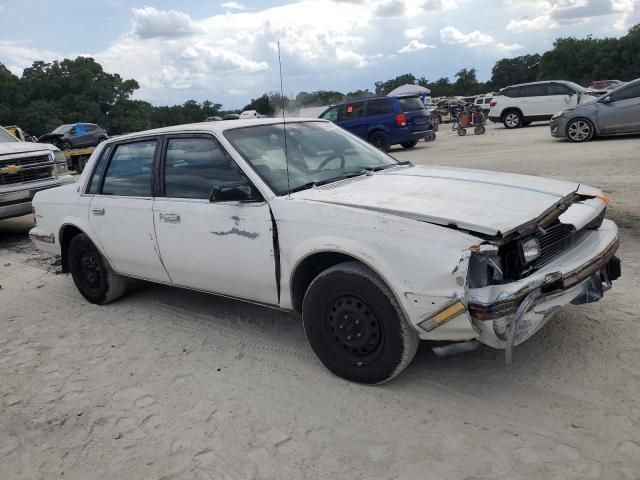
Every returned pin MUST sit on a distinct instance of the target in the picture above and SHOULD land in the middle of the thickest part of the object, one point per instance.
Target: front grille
(553, 241)
(33, 168)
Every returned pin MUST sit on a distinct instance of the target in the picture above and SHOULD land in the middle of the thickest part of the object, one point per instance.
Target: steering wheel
(328, 159)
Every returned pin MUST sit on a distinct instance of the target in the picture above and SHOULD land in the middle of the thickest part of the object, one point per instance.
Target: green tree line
(72, 90)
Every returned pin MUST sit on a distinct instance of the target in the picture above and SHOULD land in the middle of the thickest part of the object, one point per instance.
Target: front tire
(94, 278)
(355, 325)
(65, 145)
(580, 130)
(512, 119)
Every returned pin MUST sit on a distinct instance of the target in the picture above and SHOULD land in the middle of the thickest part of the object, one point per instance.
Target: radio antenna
(284, 123)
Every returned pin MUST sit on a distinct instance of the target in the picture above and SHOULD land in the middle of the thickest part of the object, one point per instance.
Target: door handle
(170, 217)
(97, 211)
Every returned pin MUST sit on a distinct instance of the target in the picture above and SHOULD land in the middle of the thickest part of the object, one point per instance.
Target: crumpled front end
(516, 287)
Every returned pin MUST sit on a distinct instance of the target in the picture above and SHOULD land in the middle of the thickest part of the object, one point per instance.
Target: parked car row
(77, 135)
(573, 111)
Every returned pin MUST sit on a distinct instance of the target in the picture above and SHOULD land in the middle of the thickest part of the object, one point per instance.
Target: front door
(351, 117)
(121, 212)
(220, 247)
(622, 113)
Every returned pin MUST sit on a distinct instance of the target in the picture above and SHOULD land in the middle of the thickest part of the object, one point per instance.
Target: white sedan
(374, 254)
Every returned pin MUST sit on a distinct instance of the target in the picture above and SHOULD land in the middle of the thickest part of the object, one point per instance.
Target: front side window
(379, 107)
(558, 89)
(194, 166)
(331, 114)
(626, 93)
(512, 92)
(316, 152)
(130, 170)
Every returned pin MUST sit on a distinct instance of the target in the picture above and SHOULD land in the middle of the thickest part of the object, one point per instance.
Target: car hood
(8, 148)
(484, 202)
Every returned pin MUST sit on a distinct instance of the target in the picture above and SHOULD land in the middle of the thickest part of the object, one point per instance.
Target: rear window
(410, 104)
(379, 107)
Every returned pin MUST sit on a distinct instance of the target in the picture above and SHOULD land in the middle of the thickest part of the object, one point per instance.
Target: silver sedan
(615, 113)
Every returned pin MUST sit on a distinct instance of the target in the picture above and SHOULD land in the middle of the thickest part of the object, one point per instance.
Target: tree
(262, 105)
(511, 71)
(383, 88)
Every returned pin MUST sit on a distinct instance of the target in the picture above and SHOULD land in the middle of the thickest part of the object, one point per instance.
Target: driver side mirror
(234, 193)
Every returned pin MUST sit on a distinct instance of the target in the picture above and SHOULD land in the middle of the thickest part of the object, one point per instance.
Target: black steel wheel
(355, 325)
(380, 140)
(94, 278)
(65, 145)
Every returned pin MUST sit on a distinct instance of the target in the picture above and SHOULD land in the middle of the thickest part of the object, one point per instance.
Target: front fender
(424, 265)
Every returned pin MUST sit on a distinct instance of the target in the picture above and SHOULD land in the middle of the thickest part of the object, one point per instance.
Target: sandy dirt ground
(171, 384)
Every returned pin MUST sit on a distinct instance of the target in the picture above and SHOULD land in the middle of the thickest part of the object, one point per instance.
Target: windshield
(62, 129)
(317, 152)
(6, 136)
(576, 87)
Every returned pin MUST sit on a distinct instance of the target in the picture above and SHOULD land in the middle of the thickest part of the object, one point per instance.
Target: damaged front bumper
(580, 275)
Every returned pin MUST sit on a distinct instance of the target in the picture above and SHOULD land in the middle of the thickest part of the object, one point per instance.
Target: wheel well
(67, 232)
(376, 130)
(507, 110)
(309, 269)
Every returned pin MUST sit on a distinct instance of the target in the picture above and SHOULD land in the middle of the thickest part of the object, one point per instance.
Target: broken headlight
(530, 249)
(485, 269)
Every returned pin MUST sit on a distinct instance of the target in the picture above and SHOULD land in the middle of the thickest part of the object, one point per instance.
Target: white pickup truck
(25, 169)
(373, 253)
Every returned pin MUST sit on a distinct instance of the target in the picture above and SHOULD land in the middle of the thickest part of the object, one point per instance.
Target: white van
(519, 105)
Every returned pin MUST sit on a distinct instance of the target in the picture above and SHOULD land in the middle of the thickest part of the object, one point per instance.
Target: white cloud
(540, 22)
(19, 56)
(414, 46)
(453, 36)
(149, 22)
(233, 6)
(417, 32)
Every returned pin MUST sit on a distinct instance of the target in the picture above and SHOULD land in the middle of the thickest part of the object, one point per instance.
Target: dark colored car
(384, 121)
(76, 135)
(231, 116)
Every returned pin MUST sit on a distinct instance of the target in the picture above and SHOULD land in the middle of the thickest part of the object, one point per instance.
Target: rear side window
(512, 92)
(410, 104)
(130, 170)
(558, 89)
(627, 93)
(94, 182)
(193, 166)
(379, 107)
(352, 111)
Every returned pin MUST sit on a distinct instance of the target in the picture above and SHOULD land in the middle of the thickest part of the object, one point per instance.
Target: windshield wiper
(377, 168)
(317, 183)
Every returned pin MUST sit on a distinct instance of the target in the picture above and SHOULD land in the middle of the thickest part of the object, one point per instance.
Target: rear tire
(462, 132)
(380, 140)
(355, 325)
(512, 119)
(93, 276)
(410, 144)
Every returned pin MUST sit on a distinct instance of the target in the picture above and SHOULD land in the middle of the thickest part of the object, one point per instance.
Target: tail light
(492, 103)
(401, 119)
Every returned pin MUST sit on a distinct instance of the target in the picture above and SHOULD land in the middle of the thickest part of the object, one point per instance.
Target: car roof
(536, 83)
(216, 127)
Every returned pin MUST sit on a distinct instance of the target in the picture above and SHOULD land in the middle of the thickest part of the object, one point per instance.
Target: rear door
(622, 113)
(417, 115)
(121, 211)
(220, 247)
(380, 112)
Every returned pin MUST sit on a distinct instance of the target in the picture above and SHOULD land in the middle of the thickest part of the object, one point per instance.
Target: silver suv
(27, 168)
(519, 105)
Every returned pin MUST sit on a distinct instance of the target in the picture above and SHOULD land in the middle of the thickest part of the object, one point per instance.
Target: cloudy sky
(225, 51)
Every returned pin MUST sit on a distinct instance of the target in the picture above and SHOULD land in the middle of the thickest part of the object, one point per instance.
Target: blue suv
(384, 121)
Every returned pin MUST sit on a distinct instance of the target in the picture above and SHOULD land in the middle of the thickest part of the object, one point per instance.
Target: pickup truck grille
(31, 169)
(556, 239)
